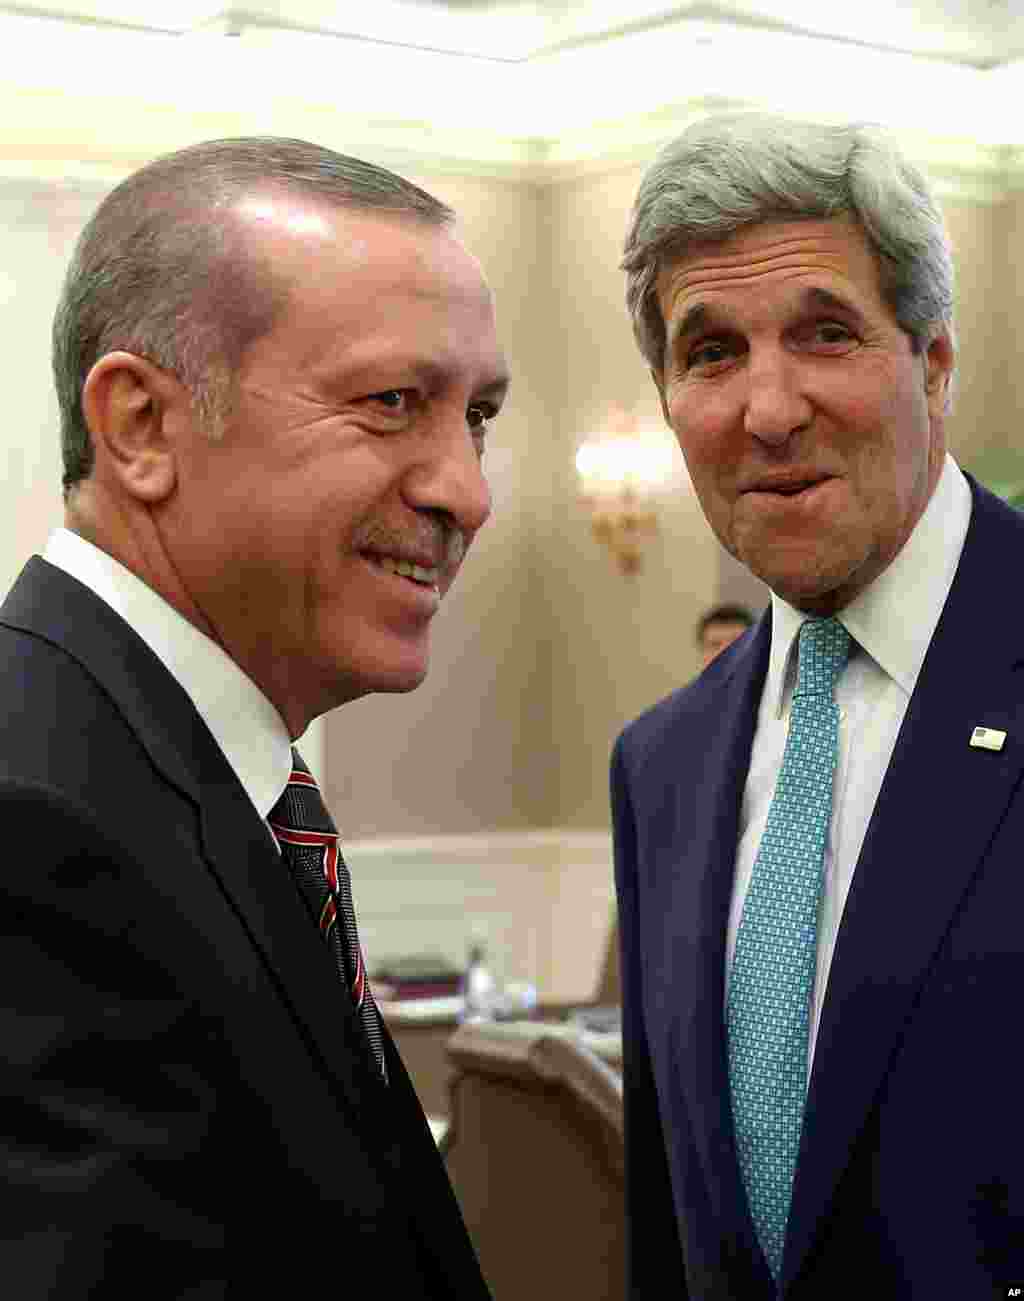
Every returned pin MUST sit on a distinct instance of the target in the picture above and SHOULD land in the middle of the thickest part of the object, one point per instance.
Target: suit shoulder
(62, 732)
(688, 709)
(682, 707)
(992, 517)
(49, 694)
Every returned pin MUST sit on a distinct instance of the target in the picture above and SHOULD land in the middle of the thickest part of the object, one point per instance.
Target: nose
(776, 405)
(449, 478)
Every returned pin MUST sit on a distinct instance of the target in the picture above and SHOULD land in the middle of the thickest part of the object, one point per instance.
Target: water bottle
(479, 990)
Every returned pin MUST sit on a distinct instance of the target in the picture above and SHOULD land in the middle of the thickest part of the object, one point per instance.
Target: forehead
(358, 283)
(340, 259)
(723, 628)
(771, 260)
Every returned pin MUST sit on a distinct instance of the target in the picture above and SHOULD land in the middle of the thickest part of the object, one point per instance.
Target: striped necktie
(309, 845)
(770, 987)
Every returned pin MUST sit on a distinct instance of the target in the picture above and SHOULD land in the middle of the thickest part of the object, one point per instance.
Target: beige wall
(37, 224)
(981, 399)
(992, 310)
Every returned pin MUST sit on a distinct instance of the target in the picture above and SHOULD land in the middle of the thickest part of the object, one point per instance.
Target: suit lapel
(702, 826)
(936, 813)
(236, 844)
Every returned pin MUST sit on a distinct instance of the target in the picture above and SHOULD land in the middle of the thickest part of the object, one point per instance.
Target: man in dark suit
(818, 842)
(276, 366)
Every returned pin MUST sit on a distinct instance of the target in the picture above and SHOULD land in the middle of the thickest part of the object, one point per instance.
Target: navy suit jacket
(910, 1174)
(185, 1110)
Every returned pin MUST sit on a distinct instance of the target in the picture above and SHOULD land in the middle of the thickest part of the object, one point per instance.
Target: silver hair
(161, 270)
(733, 170)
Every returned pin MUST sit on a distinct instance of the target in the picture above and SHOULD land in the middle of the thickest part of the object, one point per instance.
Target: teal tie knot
(823, 649)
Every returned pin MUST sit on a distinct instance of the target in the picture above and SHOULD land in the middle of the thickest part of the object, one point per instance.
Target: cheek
(693, 431)
(891, 451)
(703, 438)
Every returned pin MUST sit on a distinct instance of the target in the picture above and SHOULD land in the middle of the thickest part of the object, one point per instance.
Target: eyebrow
(692, 320)
(496, 388)
(834, 302)
(432, 375)
(699, 316)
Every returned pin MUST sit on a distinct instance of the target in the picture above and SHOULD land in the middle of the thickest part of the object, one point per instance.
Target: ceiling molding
(578, 112)
(641, 71)
(975, 33)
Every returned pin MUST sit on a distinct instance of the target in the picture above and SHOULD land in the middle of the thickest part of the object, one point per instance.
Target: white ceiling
(511, 84)
(982, 33)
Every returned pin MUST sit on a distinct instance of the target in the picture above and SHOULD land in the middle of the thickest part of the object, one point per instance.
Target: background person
(720, 627)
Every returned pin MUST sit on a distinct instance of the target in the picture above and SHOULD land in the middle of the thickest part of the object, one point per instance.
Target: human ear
(126, 400)
(939, 360)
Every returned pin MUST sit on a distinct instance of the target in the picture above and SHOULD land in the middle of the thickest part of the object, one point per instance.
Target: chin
(361, 660)
(406, 685)
(397, 680)
(818, 579)
(817, 594)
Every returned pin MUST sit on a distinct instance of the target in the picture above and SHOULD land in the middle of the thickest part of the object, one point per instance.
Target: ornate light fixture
(620, 473)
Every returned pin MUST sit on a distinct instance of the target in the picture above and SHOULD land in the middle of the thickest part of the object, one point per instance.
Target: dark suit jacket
(184, 1113)
(910, 1175)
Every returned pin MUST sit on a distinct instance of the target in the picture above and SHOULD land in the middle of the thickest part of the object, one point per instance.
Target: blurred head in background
(719, 628)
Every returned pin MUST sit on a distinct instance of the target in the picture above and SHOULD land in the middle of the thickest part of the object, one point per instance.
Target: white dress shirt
(891, 623)
(246, 726)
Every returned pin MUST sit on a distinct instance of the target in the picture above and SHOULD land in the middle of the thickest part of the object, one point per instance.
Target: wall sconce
(620, 473)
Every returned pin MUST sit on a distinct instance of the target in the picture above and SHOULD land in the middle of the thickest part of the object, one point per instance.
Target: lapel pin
(987, 738)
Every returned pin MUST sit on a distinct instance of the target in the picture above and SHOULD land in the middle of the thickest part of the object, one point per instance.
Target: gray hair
(161, 270)
(736, 169)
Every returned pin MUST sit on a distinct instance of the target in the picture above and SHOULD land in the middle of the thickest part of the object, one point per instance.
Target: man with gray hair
(818, 842)
(276, 367)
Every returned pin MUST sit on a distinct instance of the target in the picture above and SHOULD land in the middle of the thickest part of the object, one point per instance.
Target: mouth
(422, 576)
(787, 487)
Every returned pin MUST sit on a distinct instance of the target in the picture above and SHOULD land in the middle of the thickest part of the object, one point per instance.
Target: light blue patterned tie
(768, 1010)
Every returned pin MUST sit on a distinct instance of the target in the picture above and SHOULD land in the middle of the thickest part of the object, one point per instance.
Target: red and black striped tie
(309, 845)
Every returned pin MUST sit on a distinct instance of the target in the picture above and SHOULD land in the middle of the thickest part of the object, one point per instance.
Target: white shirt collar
(246, 726)
(895, 616)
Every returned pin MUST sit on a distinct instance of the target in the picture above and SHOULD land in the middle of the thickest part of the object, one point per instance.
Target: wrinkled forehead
(832, 255)
(837, 244)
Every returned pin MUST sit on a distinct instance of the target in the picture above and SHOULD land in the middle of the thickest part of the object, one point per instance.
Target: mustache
(443, 541)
